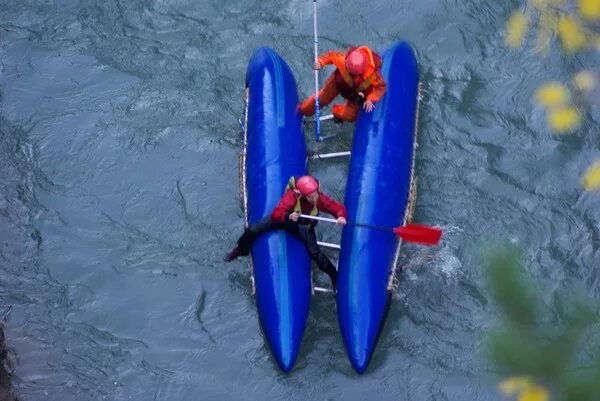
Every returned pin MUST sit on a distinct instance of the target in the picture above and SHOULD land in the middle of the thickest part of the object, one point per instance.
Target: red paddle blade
(419, 233)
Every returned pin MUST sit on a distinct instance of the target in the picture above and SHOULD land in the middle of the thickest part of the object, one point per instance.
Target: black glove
(358, 97)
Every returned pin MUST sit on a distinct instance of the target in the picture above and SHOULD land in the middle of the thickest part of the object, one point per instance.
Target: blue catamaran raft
(380, 191)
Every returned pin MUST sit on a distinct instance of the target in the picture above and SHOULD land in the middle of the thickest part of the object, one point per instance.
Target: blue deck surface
(377, 192)
(276, 150)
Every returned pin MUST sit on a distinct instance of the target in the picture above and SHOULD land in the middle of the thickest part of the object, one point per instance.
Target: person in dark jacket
(302, 196)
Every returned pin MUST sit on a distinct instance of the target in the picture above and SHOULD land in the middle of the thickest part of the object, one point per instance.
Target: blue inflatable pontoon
(378, 192)
(274, 150)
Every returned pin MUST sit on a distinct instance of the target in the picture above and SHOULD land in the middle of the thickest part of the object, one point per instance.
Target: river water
(119, 195)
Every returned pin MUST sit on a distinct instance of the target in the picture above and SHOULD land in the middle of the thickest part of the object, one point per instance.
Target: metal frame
(242, 168)
(328, 245)
(392, 282)
(329, 155)
(412, 200)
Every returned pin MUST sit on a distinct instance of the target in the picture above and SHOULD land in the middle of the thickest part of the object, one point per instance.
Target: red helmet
(307, 185)
(356, 62)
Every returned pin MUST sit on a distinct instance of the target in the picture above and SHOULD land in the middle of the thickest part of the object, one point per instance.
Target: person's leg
(326, 96)
(250, 234)
(308, 236)
(347, 111)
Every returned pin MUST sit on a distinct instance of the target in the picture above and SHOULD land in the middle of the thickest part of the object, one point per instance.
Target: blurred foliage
(576, 25)
(538, 356)
(552, 94)
(524, 388)
(591, 178)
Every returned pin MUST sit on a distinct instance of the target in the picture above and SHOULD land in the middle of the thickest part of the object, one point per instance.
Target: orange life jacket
(348, 86)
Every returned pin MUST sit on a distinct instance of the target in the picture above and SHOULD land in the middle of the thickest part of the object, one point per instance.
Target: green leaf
(514, 351)
(513, 296)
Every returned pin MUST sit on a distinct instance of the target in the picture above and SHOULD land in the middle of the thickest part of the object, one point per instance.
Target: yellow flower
(563, 119)
(585, 80)
(591, 178)
(571, 34)
(516, 28)
(552, 94)
(514, 385)
(534, 393)
(590, 9)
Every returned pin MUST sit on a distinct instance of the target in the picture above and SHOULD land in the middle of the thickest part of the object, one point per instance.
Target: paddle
(417, 233)
(317, 119)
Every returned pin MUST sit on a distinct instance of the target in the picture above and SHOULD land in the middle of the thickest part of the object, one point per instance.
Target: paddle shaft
(316, 39)
(379, 228)
(416, 233)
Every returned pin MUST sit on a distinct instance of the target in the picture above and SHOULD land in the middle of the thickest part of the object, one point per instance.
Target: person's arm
(328, 205)
(281, 212)
(330, 57)
(377, 88)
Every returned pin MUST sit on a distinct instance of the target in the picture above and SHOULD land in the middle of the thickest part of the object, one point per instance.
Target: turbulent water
(119, 195)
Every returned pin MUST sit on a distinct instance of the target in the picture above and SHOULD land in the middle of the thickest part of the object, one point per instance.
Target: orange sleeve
(331, 57)
(378, 88)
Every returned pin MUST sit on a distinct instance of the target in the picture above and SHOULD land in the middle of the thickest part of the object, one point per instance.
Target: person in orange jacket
(302, 196)
(357, 78)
